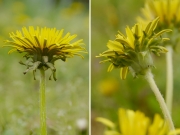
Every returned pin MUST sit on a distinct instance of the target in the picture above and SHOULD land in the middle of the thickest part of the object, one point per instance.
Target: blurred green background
(68, 97)
(109, 92)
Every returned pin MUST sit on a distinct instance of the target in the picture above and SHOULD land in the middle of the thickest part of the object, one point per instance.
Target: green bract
(133, 51)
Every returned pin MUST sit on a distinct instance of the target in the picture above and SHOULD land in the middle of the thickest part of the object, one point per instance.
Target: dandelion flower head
(43, 46)
(133, 50)
(135, 123)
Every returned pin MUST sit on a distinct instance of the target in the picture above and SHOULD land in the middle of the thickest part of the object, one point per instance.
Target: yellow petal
(158, 8)
(173, 8)
(123, 72)
(106, 122)
(157, 125)
(130, 37)
(123, 121)
(115, 46)
(108, 53)
(110, 68)
(175, 132)
(112, 133)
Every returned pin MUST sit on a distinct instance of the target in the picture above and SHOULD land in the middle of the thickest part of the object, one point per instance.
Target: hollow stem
(160, 99)
(42, 98)
(169, 78)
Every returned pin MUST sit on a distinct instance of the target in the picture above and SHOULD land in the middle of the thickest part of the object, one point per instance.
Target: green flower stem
(42, 97)
(169, 78)
(160, 99)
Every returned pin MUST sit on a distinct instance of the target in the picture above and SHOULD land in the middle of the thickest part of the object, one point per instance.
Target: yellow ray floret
(37, 40)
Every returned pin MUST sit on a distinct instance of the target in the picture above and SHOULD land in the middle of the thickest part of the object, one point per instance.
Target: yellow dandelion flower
(168, 12)
(44, 46)
(136, 123)
(132, 51)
